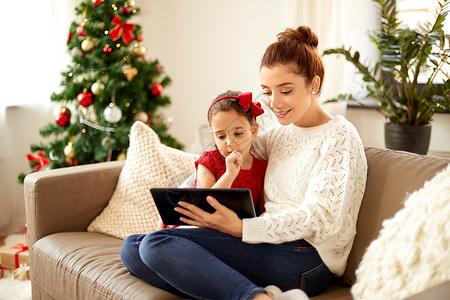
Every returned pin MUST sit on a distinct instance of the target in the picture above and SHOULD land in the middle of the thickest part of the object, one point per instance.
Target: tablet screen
(166, 199)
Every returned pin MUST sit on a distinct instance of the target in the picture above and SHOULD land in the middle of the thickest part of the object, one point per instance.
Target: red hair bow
(39, 157)
(245, 100)
(124, 29)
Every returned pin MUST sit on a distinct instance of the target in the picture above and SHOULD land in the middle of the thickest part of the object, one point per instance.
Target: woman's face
(288, 94)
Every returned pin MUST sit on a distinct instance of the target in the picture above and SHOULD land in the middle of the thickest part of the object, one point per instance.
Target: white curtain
(34, 53)
(338, 23)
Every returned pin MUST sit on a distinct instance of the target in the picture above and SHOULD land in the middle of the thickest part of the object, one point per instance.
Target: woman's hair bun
(302, 34)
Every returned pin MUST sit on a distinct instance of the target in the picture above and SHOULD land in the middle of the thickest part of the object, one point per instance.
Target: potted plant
(393, 82)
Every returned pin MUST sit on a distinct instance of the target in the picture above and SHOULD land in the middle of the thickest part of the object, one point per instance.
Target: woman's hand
(223, 219)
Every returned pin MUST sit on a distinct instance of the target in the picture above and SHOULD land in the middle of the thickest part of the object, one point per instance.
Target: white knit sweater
(313, 188)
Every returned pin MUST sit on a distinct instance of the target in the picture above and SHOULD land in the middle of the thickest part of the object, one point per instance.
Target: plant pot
(414, 139)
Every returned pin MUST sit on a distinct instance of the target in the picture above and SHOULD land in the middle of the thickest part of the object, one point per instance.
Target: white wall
(207, 47)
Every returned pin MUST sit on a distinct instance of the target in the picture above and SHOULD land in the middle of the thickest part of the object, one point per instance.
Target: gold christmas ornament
(122, 156)
(87, 45)
(130, 73)
(69, 152)
(61, 110)
(139, 50)
(97, 87)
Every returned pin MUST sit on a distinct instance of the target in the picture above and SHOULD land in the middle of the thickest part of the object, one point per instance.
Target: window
(413, 12)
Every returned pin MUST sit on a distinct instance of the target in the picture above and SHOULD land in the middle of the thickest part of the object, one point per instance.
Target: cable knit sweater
(314, 185)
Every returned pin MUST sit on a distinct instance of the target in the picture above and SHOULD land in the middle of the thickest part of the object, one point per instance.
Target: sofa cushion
(411, 253)
(82, 265)
(149, 164)
(392, 175)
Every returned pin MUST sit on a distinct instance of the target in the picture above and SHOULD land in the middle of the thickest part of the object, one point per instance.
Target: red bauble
(126, 10)
(107, 49)
(69, 37)
(140, 38)
(80, 30)
(156, 89)
(97, 2)
(85, 98)
(158, 69)
(63, 120)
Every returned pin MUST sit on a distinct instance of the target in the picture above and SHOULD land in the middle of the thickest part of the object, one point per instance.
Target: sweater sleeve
(334, 191)
(261, 145)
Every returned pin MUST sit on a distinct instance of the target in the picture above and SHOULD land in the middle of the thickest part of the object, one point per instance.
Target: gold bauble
(87, 45)
(61, 110)
(122, 156)
(69, 152)
(97, 87)
(139, 50)
(130, 73)
(141, 116)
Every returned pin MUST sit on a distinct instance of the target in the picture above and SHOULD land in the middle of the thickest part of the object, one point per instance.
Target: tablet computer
(166, 199)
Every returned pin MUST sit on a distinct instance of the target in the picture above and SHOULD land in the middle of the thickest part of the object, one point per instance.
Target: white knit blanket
(412, 251)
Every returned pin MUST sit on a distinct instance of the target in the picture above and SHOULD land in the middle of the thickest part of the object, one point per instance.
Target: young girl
(232, 118)
(313, 188)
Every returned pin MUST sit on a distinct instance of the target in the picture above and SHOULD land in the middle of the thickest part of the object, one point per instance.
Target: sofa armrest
(68, 199)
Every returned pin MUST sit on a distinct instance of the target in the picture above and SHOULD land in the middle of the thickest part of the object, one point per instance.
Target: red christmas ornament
(158, 69)
(156, 89)
(126, 10)
(63, 120)
(80, 30)
(85, 98)
(69, 37)
(97, 2)
(107, 49)
(140, 37)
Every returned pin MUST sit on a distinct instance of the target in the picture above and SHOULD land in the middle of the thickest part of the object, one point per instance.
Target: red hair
(296, 47)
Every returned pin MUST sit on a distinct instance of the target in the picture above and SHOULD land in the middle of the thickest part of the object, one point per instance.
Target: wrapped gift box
(12, 258)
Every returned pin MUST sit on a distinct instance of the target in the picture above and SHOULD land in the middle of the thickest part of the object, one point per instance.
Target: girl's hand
(223, 219)
(234, 162)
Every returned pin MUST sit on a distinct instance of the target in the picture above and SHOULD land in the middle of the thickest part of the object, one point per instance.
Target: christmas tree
(107, 87)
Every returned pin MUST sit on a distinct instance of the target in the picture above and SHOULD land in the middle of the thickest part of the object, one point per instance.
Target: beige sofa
(67, 262)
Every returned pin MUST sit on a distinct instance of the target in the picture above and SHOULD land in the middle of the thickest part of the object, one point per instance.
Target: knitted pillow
(411, 252)
(149, 164)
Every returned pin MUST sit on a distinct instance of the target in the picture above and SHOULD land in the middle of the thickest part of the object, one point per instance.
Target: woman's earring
(313, 92)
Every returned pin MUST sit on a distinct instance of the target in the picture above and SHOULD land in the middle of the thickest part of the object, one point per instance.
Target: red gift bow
(21, 248)
(245, 100)
(39, 157)
(124, 29)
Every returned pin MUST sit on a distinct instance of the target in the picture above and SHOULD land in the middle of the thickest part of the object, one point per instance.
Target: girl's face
(288, 95)
(232, 132)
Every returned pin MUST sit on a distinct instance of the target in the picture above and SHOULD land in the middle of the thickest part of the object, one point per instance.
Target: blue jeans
(202, 263)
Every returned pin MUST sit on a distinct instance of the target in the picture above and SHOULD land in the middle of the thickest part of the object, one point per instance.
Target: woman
(313, 188)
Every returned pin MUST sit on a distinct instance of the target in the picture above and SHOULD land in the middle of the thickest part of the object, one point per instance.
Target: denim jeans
(202, 263)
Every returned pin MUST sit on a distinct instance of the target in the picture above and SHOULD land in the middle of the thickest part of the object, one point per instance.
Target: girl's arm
(205, 179)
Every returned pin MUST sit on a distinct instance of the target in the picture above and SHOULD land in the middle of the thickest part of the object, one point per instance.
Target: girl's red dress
(252, 179)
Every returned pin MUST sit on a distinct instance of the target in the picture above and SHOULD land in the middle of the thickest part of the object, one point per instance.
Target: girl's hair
(230, 104)
(296, 47)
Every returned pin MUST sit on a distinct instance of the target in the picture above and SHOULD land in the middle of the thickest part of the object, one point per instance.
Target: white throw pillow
(149, 164)
(412, 251)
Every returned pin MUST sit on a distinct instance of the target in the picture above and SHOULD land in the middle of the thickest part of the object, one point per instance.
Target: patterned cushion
(149, 164)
